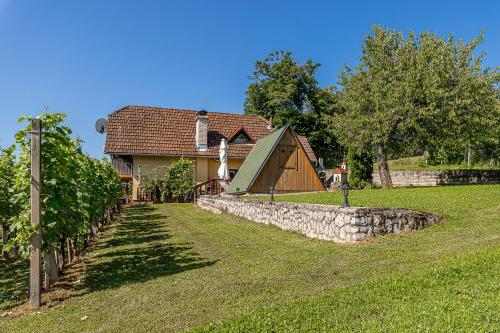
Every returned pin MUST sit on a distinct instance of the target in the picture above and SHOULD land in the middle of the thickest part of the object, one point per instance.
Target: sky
(89, 58)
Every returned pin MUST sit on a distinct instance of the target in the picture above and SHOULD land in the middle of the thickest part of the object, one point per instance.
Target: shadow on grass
(140, 249)
(13, 282)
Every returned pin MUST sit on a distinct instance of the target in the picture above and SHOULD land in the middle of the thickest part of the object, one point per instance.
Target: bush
(179, 181)
(152, 184)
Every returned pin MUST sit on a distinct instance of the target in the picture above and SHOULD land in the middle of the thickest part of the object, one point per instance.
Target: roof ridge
(160, 108)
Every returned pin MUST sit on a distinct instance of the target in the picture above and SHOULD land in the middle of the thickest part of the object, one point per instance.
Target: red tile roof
(339, 170)
(307, 148)
(144, 130)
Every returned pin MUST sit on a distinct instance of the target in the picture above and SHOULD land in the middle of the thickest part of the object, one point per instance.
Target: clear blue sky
(88, 58)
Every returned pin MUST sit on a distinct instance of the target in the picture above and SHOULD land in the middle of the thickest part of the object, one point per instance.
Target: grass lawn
(175, 267)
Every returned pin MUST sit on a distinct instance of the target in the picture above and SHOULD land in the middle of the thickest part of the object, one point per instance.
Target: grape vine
(79, 193)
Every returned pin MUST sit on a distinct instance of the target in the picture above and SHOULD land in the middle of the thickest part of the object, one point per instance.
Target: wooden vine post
(35, 287)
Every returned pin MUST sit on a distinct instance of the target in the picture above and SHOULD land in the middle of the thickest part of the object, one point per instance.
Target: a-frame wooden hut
(279, 162)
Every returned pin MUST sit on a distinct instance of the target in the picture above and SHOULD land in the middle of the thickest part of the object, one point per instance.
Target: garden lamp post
(345, 191)
(271, 191)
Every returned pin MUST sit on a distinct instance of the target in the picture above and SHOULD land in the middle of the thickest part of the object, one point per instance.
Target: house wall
(204, 168)
(287, 170)
(148, 165)
(213, 166)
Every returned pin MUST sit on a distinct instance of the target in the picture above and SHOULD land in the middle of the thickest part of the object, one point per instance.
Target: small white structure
(339, 174)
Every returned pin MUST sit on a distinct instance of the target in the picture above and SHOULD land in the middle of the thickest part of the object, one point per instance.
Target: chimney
(202, 131)
(270, 123)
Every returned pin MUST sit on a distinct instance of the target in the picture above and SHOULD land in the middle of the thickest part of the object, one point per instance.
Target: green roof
(255, 162)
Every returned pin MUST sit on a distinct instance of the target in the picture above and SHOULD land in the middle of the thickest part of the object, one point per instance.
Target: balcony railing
(211, 187)
(124, 168)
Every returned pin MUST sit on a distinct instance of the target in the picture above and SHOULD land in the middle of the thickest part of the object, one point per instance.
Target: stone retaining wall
(435, 178)
(334, 223)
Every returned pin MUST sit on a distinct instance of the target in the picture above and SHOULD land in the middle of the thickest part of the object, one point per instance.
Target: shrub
(179, 181)
(152, 184)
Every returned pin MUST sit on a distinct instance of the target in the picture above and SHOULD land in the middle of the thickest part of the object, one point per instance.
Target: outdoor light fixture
(271, 191)
(345, 191)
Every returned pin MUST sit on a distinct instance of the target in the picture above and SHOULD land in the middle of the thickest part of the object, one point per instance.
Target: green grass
(459, 296)
(175, 267)
(450, 201)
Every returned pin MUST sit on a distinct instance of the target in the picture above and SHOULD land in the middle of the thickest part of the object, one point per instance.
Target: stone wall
(334, 223)
(435, 178)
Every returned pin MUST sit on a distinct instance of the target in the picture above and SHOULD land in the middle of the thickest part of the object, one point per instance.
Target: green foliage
(7, 162)
(176, 184)
(152, 183)
(422, 91)
(8, 209)
(76, 189)
(179, 180)
(288, 92)
(360, 169)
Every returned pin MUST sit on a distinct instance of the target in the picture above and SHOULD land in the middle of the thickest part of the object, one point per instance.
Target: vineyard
(78, 196)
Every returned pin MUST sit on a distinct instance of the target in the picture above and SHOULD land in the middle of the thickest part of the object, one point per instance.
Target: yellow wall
(213, 166)
(148, 164)
(204, 168)
(201, 172)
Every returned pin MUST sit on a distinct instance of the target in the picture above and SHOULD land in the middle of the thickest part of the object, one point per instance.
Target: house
(278, 163)
(145, 140)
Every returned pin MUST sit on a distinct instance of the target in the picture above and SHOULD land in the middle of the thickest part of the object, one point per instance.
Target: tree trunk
(5, 237)
(51, 271)
(61, 255)
(383, 167)
(468, 154)
(94, 228)
(75, 248)
(70, 254)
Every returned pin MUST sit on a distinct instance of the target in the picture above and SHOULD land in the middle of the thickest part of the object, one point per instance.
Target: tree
(419, 91)
(7, 209)
(288, 92)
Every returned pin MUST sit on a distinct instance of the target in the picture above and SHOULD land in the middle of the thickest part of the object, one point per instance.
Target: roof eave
(167, 154)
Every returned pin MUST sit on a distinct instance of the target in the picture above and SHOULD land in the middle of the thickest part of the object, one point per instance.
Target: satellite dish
(101, 125)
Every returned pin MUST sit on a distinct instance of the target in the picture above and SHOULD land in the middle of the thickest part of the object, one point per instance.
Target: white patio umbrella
(223, 172)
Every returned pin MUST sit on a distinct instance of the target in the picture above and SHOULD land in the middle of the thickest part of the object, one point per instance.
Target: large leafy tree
(287, 91)
(421, 91)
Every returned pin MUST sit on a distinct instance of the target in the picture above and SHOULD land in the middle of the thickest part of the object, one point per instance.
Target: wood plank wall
(288, 169)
